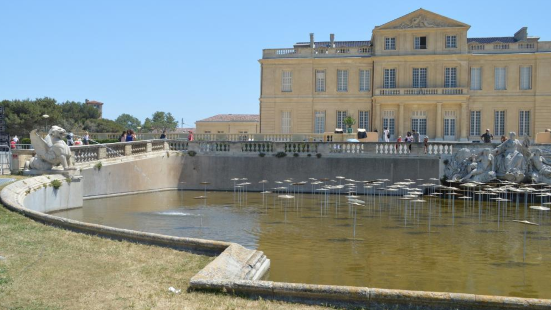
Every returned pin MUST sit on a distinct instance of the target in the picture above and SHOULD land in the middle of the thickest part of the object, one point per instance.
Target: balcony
(319, 52)
(420, 91)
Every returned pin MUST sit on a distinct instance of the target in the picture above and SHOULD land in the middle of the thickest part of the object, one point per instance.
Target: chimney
(522, 34)
(312, 40)
(332, 39)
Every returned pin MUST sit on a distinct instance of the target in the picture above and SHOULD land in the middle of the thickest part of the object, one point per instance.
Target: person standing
(130, 136)
(426, 143)
(163, 135)
(386, 134)
(70, 140)
(16, 139)
(86, 138)
(122, 138)
(416, 136)
(487, 137)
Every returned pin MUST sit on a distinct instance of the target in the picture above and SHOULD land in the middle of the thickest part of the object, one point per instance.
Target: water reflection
(468, 248)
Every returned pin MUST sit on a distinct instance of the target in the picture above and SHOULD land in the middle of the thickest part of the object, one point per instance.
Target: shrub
(102, 141)
(296, 155)
(68, 180)
(309, 155)
(56, 184)
(192, 153)
(261, 154)
(318, 155)
(98, 165)
(25, 141)
(280, 154)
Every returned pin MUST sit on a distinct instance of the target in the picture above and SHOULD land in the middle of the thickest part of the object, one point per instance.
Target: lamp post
(45, 117)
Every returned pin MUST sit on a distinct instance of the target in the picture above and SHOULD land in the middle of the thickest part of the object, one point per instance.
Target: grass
(50, 268)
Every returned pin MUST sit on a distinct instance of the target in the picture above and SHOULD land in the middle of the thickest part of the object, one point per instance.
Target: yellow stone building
(229, 124)
(420, 71)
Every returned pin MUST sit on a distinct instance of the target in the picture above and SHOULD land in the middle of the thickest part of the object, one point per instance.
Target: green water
(310, 238)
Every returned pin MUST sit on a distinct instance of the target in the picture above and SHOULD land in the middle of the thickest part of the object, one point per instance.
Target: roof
(492, 40)
(232, 118)
(94, 102)
(338, 43)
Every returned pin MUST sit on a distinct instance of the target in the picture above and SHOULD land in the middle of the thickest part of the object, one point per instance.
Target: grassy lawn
(50, 268)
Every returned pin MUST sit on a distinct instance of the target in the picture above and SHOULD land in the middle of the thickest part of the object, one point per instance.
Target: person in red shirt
(12, 144)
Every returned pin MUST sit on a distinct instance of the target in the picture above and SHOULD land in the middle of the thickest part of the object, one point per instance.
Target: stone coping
(238, 270)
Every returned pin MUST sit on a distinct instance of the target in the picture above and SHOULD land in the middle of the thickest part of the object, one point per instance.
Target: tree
(22, 116)
(102, 125)
(160, 121)
(128, 121)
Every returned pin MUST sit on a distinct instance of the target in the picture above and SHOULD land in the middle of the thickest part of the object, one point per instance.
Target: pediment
(422, 18)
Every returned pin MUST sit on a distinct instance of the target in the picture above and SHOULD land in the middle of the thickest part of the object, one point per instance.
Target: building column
(464, 121)
(439, 126)
(377, 116)
(401, 120)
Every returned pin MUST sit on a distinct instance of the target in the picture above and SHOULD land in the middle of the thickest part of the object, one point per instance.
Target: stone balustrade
(421, 91)
(248, 148)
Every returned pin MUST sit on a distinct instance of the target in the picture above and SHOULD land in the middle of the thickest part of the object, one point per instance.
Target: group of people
(84, 140)
(128, 136)
(487, 137)
(411, 137)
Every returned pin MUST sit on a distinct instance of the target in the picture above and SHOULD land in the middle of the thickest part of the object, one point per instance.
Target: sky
(196, 59)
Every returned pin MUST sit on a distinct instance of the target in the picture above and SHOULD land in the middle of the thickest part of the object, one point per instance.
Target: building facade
(229, 124)
(420, 71)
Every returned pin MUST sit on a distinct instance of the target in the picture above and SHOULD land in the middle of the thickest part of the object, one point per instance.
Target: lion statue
(51, 151)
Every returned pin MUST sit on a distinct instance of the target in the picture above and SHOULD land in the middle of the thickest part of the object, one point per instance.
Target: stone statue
(51, 151)
(541, 168)
(458, 165)
(510, 159)
(482, 168)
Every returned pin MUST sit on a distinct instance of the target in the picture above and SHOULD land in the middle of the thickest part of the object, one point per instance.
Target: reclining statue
(51, 151)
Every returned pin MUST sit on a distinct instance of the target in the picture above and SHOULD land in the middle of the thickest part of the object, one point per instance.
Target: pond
(384, 243)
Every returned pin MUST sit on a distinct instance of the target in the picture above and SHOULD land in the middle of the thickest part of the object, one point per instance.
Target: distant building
(229, 124)
(96, 104)
(418, 72)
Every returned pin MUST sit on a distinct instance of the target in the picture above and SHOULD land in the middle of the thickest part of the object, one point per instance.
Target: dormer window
(420, 43)
(451, 41)
(390, 44)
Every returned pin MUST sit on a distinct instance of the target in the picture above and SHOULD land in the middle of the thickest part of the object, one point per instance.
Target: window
(342, 80)
(475, 123)
(388, 122)
(451, 41)
(343, 50)
(500, 78)
(524, 123)
(207, 131)
(220, 131)
(389, 78)
(320, 80)
(499, 123)
(365, 80)
(419, 77)
(286, 81)
(341, 115)
(390, 43)
(525, 78)
(364, 50)
(476, 78)
(419, 122)
(526, 45)
(319, 121)
(285, 121)
(450, 77)
(449, 125)
(420, 43)
(363, 120)
(501, 46)
(476, 47)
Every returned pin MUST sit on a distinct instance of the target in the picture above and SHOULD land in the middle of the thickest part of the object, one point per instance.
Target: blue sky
(196, 58)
